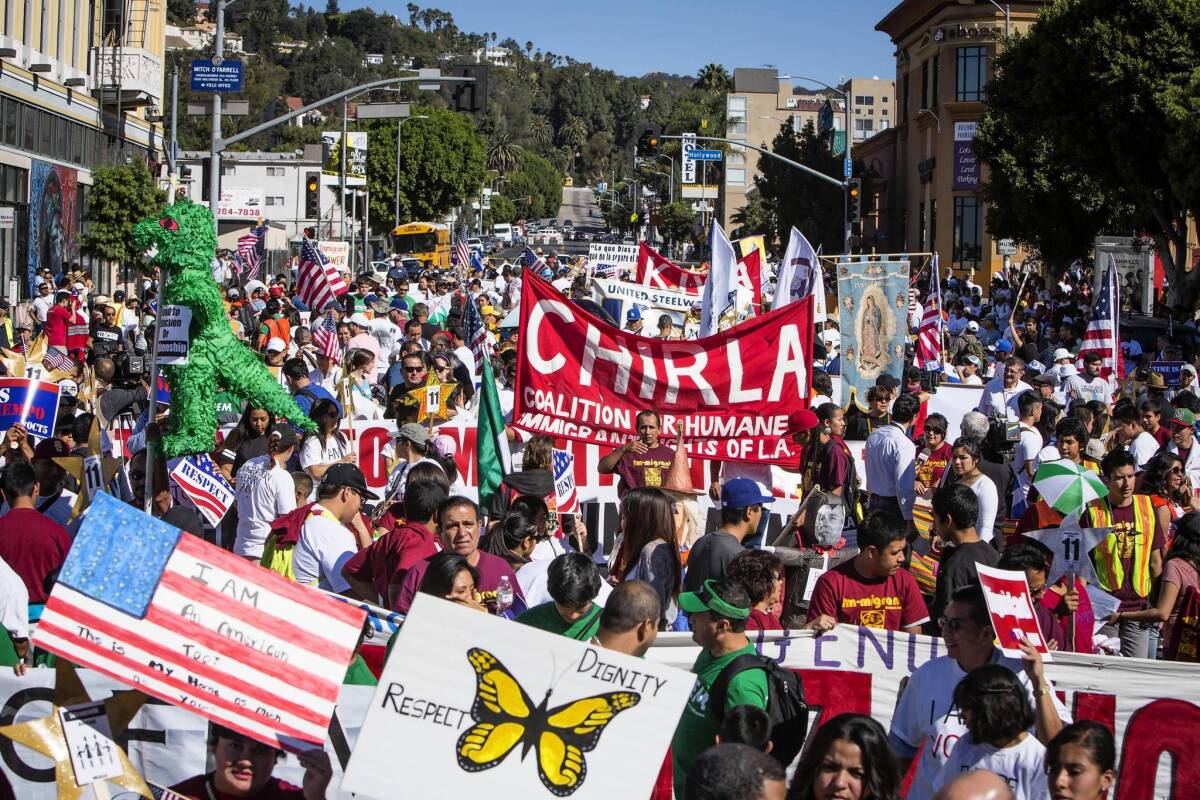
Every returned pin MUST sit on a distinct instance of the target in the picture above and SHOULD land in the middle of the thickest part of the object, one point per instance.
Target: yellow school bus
(427, 241)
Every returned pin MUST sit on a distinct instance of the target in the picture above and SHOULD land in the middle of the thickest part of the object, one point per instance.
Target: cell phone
(568, 524)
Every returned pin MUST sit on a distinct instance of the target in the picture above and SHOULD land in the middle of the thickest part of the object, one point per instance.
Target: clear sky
(825, 39)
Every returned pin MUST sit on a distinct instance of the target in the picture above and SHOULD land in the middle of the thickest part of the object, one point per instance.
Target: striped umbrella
(1067, 486)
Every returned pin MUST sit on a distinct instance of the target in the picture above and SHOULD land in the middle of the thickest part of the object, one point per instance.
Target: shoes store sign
(969, 31)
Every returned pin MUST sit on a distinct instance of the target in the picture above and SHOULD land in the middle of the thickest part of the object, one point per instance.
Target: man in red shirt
(872, 589)
(58, 319)
(32, 544)
(371, 570)
(643, 461)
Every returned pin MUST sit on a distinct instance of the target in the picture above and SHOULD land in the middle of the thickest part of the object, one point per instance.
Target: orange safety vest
(276, 328)
(1109, 568)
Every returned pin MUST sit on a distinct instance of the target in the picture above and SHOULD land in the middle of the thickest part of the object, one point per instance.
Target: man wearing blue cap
(633, 320)
(741, 510)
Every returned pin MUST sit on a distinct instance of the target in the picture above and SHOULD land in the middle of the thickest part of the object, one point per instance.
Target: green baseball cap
(1183, 418)
(706, 599)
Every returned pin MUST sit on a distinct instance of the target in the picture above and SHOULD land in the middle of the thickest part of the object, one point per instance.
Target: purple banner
(966, 164)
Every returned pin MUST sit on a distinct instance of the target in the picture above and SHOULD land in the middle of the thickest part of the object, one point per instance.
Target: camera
(1002, 437)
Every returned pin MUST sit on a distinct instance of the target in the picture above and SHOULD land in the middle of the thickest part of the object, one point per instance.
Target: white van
(503, 232)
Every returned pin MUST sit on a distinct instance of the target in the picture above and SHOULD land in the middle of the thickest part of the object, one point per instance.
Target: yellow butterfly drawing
(505, 717)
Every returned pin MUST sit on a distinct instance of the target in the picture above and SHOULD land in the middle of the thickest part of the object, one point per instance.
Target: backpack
(786, 706)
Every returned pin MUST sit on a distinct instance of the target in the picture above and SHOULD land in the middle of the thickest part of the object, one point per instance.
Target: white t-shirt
(533, 578)
(973, 380)
(1143, 447)
(14, 602)
(467, 357)
(328, 382)
(1022, 766)
(313, 452)
(926, 714)
(324, 547)
(41, 306)
(988, 501)
(1026, 453)
(263, 495)
(1079, 388)
(998, 400)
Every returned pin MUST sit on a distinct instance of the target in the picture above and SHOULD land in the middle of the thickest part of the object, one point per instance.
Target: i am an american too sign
(189, 623)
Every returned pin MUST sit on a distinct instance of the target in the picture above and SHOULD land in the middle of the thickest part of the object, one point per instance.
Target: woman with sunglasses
(1167, 485)
(1181, 572)
(327, 445)
(443, 370)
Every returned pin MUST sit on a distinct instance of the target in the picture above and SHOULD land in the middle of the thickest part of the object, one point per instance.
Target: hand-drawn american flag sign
(187, 622)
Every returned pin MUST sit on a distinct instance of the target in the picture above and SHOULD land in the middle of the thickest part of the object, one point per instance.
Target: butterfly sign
(486, 706)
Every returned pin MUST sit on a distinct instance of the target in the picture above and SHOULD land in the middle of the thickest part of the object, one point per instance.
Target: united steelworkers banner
(653, 302)
(655, 269)
(873, 299)
(580, 379)
(1153, 708)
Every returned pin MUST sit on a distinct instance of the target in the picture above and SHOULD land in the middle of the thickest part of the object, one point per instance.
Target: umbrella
(1067, 486)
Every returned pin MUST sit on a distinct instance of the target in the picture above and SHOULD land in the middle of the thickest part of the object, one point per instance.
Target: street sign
(382, 110)
(230, 108)
(216, 75)
(697, 154)
(1006, 247)
(847, 168)
(699, 206)
(688, 167)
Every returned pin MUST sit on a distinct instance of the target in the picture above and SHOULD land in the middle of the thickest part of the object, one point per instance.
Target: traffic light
(854, 199)
(648, 142)
(205, 171)
(312, 195)
(470, 98)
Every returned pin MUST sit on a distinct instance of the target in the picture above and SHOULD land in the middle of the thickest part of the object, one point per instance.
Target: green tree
(536, 188)
(442, 162)
(573, 133)
(503, 154)
(678, 221)
(503, 210)
(1109, 90)
(181, 12)
(714, 78)
(541, 131)
(811, 205)
(755, 218)
(121, 196)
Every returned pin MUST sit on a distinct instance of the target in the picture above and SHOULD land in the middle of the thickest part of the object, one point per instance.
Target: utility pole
(174, 143)
(342, 151)
(214, 153)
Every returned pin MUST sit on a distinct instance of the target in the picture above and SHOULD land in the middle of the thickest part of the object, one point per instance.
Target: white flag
(800, 276)
(721, 288)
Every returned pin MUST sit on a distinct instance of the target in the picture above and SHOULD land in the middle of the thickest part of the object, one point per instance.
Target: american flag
(204, 486)
(565, 495)
(249, 248)
(317, 282)
(1102, 335)
(180, 619)
(163, 793)
(55, 361)
(531, 260)
(929, 335)
(461, 252)
(477, 335)
(326, 339)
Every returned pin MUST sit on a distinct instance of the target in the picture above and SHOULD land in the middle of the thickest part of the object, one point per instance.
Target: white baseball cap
(1062, 353)
(276, 345)
(973, 326)
(68, 388)
(360, 319)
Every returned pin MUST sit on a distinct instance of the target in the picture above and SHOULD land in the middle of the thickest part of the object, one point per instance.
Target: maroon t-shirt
(196, 788)
(889, 603)
(34, 546)
(835, 466)
(490, 568)
(1123, 530)
(763, 621)
(1162, 435)
(389, 557)
(647, 469)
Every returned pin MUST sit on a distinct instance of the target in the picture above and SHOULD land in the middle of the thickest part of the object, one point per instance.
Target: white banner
(620, 257)
(338, 254)
(662, 301)
(1153, 707)
(172, 334)
(240, 204)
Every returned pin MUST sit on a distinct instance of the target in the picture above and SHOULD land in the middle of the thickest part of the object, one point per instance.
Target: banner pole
(153, 402)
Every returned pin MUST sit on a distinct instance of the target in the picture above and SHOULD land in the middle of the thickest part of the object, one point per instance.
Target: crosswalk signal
(854, 199)
(312, 195)
(649, 141)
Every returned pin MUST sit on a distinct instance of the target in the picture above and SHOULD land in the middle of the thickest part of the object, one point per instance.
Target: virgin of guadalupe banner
(873, 303)
(732, 395)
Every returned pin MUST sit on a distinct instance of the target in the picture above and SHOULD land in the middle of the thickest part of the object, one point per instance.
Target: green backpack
(278, 557)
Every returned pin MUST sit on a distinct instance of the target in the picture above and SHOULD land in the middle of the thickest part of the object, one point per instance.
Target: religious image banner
(734, 394)
(873, 304)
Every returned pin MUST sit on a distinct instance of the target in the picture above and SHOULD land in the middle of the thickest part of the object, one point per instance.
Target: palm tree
(713, 78)
(573, 133)
(504, 155)
(541, 131)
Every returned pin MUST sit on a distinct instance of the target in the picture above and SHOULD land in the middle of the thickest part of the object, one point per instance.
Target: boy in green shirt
(719, 610)
(573, 582)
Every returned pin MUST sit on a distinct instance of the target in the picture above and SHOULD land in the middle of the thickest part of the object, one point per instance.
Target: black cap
(887, 381)
(348, 475)
(4, 303)
(285, 435)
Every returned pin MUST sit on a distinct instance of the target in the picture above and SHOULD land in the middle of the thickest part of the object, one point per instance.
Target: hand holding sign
(1011, 609)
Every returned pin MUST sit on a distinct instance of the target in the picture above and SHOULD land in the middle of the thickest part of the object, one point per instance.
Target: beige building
(761, 100)
(923, 180)
(79, 85)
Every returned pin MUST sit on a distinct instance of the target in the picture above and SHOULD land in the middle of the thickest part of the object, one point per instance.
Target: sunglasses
(414, 369)
(442, 367)
(953, 623)
(1175, 471)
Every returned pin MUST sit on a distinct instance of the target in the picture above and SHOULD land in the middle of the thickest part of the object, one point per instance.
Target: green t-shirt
(698, 726)
(359, 674)
(227, 402)
(546, 617)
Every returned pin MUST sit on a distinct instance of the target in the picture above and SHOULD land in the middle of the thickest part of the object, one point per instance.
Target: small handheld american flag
(250, 250)
(461, 251)
(477, 336)
(564, 482)
(326, 339)
(317, 282)
(1101, 336)
(929, 335)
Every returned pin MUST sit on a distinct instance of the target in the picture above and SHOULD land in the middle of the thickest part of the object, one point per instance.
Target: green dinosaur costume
(185, 243)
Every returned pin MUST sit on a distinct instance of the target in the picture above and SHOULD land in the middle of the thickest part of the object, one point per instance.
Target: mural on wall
(53, 218)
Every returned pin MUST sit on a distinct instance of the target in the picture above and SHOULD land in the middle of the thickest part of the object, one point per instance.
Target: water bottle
(504, 595)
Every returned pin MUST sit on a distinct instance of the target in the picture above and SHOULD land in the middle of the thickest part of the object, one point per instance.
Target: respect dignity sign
(734, 394)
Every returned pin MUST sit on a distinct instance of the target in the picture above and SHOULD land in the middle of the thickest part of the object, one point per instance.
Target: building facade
(922, 179)
(80, 86)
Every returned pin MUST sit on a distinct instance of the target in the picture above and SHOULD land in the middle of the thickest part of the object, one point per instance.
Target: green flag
(492, 458)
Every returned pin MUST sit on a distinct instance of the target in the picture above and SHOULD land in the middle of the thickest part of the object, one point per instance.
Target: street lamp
(1007, 17)
(849, 140)
(938, 119)
(399, 129)
(670, 183)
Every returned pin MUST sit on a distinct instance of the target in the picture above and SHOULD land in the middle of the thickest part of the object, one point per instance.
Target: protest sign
(172, 334)
(31, 403)
(655, 269)
(483, 705)
(1169, 370)
(736, 392)
(611, 259)
(873, 303)
(1011, 610)
(625, 296)
(185, 621)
